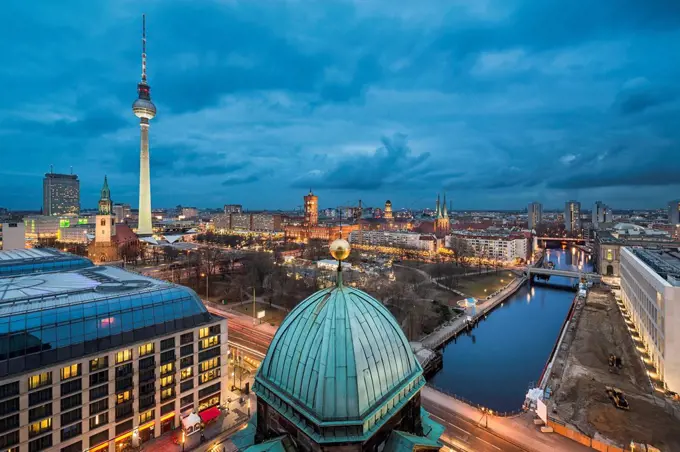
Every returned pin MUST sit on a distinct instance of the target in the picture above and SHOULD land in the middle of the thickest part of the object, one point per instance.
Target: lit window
(145, 416)
(203, 332)
(39, 427)
(210, 375)
(165, 393)
(39, 380)
(210, 364)
(166, 368)
(210, 342)
(70, 371)
(186, 373)
(122, 397)
(146, 349)
(99, 363)
(122, 356)
(167, 381)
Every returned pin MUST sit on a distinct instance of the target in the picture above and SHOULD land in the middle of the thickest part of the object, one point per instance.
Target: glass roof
(48, 318)
(39, 260)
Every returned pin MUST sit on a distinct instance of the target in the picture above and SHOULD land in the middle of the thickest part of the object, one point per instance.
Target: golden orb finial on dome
(340, 249)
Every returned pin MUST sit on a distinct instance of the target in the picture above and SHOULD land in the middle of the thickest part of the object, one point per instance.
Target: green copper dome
(339, 359)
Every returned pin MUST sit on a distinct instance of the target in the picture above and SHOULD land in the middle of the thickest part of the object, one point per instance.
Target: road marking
(485, 441)
(452, 425)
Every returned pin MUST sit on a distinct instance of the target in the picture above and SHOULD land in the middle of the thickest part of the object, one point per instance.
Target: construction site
(600, 387)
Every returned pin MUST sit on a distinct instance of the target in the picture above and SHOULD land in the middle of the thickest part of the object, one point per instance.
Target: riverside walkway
(443, 334)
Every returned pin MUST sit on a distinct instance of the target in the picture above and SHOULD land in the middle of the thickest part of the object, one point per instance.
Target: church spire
(438, 212)
(445, 212)
(105, 204)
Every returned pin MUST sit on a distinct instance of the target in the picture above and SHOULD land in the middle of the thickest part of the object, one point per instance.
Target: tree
(170, 254)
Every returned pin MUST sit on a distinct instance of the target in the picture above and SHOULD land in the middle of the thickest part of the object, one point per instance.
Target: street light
(207, 285)
(183, 439)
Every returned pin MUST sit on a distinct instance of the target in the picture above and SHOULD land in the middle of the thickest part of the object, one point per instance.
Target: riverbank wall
(442, 335)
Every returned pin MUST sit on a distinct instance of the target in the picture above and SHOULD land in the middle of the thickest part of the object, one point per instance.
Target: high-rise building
(601, 214)
(311, 209)
(133, 356)
(61, 194)
(572, 216)
(534, 214)
(121, 212)
(233, 208)
(145, 110)
(674, 212)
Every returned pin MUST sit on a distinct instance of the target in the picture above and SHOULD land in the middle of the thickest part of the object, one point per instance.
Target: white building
(650, 289)
(13, 236)
(406, 240)
(501, 247)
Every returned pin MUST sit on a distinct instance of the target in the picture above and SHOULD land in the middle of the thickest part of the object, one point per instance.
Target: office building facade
(100, 358)
(61, 194)
(572, 216)
(650, 289)
(674, 212)
(534, 214)
(233, 208)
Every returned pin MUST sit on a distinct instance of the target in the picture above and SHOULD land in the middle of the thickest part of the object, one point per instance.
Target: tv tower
(145, 110)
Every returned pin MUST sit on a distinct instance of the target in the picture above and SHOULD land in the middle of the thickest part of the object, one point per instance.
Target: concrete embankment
(439, 337)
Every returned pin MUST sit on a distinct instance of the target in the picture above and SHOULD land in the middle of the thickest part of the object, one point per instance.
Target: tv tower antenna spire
(144, 48)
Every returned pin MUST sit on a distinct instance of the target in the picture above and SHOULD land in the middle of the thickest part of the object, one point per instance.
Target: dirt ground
(580, 399)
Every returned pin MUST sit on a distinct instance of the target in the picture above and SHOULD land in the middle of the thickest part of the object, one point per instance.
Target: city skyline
(256, 111)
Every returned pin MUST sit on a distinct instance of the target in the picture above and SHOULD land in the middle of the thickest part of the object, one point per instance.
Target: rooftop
(39, 260)
(665, 262)
(56, 316)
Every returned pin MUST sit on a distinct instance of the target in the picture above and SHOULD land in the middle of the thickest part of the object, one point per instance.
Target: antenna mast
(143, 48)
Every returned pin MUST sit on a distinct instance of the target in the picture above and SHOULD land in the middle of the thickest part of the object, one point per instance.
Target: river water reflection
(494, 365)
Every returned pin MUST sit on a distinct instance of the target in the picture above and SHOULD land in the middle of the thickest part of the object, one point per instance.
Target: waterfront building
(359, 389)
(394, 239)
(99, 358)
(61, 194)
(13, 236)
(498, 246)
(145, 110)
(311, 203)
(534, 214)
(233, 208)
(650, 289)
(674, 212)
(572, 216)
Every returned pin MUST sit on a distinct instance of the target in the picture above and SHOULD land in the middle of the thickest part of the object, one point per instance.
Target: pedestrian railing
(476, 405)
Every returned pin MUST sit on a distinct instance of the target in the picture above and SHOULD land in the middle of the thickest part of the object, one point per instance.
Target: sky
(495, 102)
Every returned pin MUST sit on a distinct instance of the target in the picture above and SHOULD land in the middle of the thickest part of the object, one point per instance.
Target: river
(495, 364)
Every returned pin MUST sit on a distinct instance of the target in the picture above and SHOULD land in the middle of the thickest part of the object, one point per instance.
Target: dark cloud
(641, 98)
(388, 164)
(240, 180)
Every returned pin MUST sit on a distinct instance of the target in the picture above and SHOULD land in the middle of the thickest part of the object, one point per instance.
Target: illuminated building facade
(506, 247)
(103, 248)
(572, 216)
(61, 194)
(311, 209)
(534, 214)
(387, 214)
(233, 208)
(113, 360)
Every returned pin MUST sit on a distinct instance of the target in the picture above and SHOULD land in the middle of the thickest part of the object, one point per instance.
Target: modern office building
(97, 358)
(233, 208)
(121, 212)
(572, 216)
(674, 212)
(650, 289)
(534, 214)
(61, 194)
(601, 214)
(13, 236)
(189, 212)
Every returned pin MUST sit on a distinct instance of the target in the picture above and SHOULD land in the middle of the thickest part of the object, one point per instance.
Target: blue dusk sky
(496, 102)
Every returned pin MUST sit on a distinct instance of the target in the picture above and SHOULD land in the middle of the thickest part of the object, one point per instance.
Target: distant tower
(105, 203)
(441, 219)
(387, 214)
(311, 209)
(145, 110)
